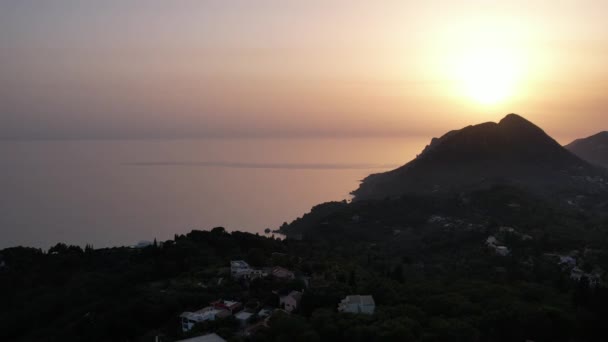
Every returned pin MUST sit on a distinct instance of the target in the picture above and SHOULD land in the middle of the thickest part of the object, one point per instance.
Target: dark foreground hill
(593, 149)
(513, 151)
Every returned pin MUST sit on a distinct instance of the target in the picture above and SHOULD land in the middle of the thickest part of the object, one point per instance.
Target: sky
(138, 69)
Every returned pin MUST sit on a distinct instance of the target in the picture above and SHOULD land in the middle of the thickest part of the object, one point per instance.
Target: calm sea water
(113, 193)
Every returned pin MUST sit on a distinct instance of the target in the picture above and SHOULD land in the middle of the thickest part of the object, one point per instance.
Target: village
(251, 316)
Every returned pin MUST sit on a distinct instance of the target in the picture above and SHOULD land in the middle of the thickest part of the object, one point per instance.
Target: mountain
(513, 151)
(593, 149)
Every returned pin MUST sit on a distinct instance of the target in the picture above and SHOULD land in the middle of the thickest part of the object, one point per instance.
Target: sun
(488, 75)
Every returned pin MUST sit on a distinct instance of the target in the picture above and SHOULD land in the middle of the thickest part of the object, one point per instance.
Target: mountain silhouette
(513, 151)
(593, 149)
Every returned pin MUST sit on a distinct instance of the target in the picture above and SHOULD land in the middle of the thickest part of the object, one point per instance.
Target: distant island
(495, 232)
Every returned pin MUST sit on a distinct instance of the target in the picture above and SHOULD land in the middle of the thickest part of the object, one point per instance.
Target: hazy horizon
(114, 193)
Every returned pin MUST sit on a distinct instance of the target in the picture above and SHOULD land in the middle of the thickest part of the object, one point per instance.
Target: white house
(242, 317)
(265, 312)
(492, 243)
(291, 301)
(357, 304)
(189, 319)
(239, 269)
(502, 250)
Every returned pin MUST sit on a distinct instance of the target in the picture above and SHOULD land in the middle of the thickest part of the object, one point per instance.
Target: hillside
(593, 149)
(513, 151)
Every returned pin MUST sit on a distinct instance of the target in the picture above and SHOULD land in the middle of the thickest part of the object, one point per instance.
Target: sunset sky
(189, 68)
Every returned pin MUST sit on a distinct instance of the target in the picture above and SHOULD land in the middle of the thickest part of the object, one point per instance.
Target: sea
(122, 192)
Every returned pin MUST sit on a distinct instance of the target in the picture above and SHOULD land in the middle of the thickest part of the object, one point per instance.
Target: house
(204, 338)
(567, 261)
(501, 250)
(492, 243)
(507, 230)
(189, 319)
(594, 279)
(231, 306)
(282, 273)
(576, 274)
(256, 274)
(291, 301)
(243, 317)
(357, 304)
(265, 312)
(239, 269)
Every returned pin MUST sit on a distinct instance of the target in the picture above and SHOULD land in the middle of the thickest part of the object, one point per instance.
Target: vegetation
(423, 259)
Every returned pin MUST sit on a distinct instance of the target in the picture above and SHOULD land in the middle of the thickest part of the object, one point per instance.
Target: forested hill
(513, 151)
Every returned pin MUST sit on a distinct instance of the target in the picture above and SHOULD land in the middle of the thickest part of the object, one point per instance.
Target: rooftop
(243, 315)
(239, 264)
(360, 300)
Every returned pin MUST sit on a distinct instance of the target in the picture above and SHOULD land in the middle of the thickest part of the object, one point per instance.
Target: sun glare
(488, 76)
(484, 59)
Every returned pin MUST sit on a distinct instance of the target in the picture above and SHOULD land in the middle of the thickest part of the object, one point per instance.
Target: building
(189, 319)
(502, 250)
(507, 230)
(492, 243)
(204, 338)
(567, 261)
(282, 273)
(593, 279)
(239, 269)
(243, 317)
(231, 306)
(265, 312)
(357, 304)
(291, 301)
